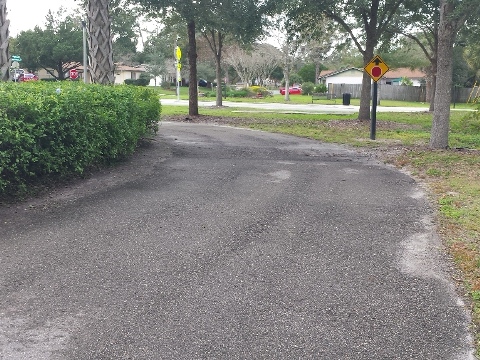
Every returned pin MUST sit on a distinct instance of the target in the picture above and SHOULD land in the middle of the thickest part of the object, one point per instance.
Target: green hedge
(63, 128)
(137, 82)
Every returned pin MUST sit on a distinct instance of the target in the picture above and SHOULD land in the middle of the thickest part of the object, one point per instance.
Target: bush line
(52, 129)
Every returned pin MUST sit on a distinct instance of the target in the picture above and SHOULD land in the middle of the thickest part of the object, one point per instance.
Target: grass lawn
(452, 176)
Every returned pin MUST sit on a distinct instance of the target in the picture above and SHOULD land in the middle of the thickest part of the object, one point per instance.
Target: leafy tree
(308, 73)
(453, 15)
(308, 88)
(423, 18)
(123, 27)
(277, 74)
(468, 39)
(100, 42)
(157, 53)
(206, 71)
(319, 36)
(4, 42)
(295, 79)
(255, 64)
(289, 43)
(366, 21)
(241, 21)
(189, 13)
(462, 73)
(405, 53)
(57, 48)
(344, 56)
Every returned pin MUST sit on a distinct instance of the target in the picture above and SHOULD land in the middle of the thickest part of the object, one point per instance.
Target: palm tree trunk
(4, 42)
(100, 42)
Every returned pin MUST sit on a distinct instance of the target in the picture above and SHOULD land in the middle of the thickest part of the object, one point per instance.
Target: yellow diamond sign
(178, 53)
(376, 68)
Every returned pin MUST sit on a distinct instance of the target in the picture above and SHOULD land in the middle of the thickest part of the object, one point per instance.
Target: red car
(294, 90)
(27, 77)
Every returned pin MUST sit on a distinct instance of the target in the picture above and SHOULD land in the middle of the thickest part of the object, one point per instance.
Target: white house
(355, 76)
(344, 76)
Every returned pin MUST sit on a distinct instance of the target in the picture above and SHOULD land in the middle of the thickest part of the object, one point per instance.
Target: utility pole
(85, 64)
(178, 66)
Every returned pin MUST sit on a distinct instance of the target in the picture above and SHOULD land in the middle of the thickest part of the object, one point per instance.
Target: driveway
(223, 243)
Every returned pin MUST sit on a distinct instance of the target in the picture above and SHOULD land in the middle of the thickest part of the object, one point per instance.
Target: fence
(403, 93)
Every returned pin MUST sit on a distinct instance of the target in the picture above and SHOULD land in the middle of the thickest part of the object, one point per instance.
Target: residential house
(355, 75)
(124, 72)
(395, 76)
(343, 76)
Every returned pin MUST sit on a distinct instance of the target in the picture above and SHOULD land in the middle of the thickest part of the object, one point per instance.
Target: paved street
(222, 243)
(337, 108)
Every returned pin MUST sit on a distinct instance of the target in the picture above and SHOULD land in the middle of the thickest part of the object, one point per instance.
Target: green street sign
(16, 58)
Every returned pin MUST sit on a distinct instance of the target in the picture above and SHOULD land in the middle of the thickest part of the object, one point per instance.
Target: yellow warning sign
(376, 68)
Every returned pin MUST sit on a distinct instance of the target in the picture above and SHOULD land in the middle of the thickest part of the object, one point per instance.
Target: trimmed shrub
(321, 88)
(165, 85)
(256, 90)
(63, 128)
(308, 88)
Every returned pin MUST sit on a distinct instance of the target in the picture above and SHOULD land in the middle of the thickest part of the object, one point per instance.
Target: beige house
(124, 72)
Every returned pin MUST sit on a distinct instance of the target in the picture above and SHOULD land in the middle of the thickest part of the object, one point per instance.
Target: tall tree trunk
(286, 69)
(433, 85)
(218, 73)
(443, 88)
(192, 60)
(4, 42)
(216, 45)
(100, 42)
(364, 110)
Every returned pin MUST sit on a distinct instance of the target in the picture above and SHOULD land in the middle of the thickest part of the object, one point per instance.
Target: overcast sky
(26, 14)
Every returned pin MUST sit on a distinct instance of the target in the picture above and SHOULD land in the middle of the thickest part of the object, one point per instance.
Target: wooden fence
(403, 93)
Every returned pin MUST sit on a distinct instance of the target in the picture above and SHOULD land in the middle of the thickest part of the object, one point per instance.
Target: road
(315, 108)
(223, 243)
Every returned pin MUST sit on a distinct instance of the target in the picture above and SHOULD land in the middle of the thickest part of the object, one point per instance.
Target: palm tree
(4, 42)
(100, 42)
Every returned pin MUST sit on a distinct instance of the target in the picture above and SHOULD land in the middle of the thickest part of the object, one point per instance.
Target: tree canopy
(57, 48)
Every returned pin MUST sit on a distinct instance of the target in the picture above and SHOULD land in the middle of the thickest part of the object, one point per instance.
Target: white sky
(26, 14)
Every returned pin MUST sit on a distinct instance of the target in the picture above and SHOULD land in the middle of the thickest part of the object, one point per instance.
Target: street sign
(16, 58)
(178, 53)
(73, 74)
(376, 68)
(15, 65)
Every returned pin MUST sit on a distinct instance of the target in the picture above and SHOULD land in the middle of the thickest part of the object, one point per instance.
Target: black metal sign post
(376, 68)
(373, 125)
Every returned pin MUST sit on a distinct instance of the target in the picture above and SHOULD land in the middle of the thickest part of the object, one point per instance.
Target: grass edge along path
(451, 176)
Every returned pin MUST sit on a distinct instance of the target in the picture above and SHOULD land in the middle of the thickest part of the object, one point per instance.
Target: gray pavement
(222, 243)
(308, 108)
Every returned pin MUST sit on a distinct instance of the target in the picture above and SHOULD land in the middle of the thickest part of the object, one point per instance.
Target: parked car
(293, 90)
(27, 77)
